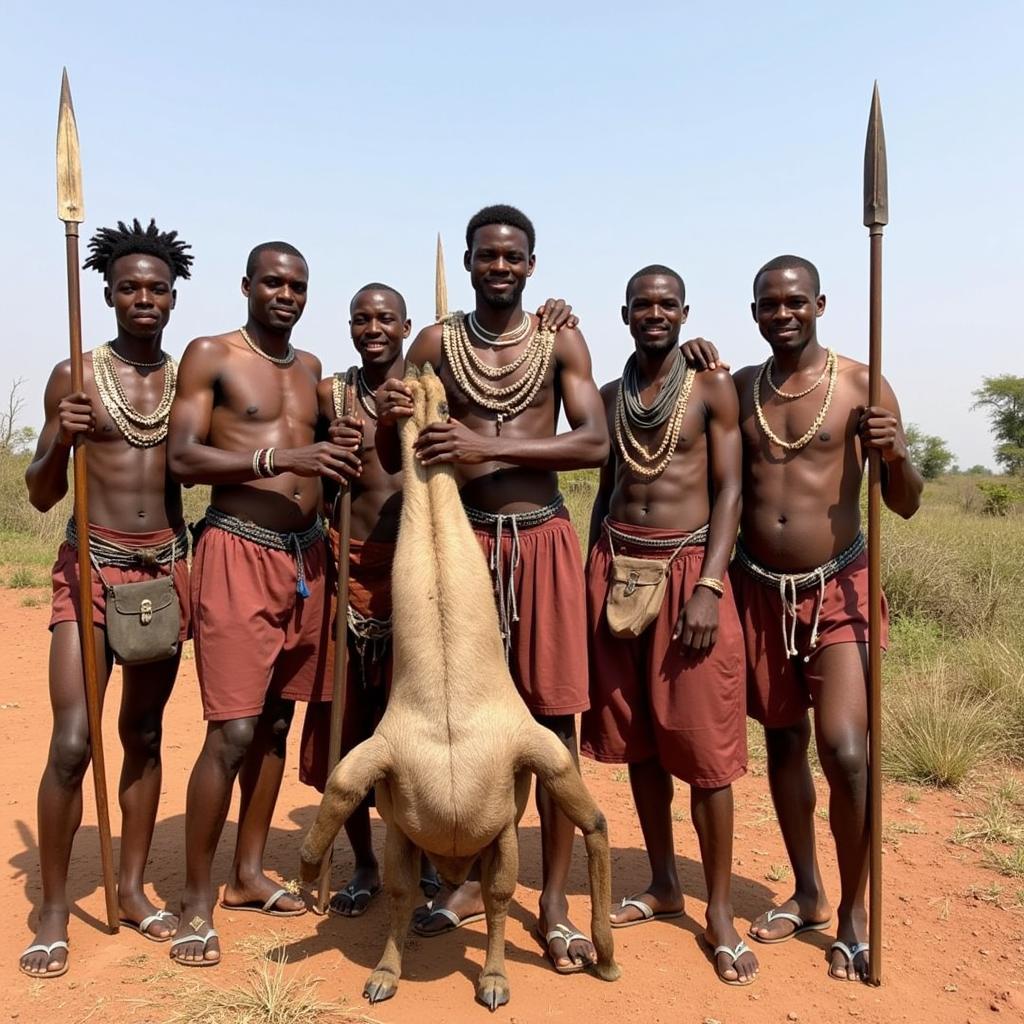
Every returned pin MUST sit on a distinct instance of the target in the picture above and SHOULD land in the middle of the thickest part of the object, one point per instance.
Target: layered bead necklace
(474, 377)
(500, 340)
(286, 360)
(669, 405)
(140, 430)
(830, 370)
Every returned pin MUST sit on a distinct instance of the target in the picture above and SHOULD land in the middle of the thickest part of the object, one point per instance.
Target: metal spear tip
(440, 284)
(876, 175)
(70, 200)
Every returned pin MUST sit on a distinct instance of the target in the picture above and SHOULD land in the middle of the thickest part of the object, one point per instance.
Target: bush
(999, 498)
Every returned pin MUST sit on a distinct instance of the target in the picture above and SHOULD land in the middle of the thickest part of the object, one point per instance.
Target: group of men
(682, 645)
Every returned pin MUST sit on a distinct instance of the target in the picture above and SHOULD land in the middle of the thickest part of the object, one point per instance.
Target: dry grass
(266, 995)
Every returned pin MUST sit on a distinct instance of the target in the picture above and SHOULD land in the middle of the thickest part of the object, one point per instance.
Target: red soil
(952, 953)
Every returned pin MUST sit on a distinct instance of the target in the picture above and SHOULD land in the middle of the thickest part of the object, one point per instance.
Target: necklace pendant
(498, 422)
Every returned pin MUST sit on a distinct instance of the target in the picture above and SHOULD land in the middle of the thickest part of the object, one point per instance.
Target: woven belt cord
(505, 590)
(104, 552)
(790, 583)
(296, 543)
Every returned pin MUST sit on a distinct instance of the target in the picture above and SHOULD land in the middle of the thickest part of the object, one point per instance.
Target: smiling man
(244, 421)
(378, 326)
(667, 689)
(136, 533)
(507, 376)
(800, 578)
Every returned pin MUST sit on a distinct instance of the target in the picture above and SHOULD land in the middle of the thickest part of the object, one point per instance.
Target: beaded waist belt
(789, 584)
(105, 552)
(517, 520)
(801, 580)
(682, 540)
(505, 590)
(276, 540)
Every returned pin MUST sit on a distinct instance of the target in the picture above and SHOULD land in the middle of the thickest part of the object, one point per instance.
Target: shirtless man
(806, 429)
(244, 421)
(667, 697)
(122, 417)
(379, 325)
(506, 379)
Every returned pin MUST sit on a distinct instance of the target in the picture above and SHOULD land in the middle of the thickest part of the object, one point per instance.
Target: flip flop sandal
(353, 894)
(800, 926)
(734, 953)
(48, 950)
(567, 935)
(850, 953)
(453, 919)
(202, 961)
(142, 926)
(267, 907)
(649, 914)
(430, 883)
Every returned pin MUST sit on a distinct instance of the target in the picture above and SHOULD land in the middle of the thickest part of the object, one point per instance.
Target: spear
(876, 216)
(340, 678)
(71, 210)
(440, 284)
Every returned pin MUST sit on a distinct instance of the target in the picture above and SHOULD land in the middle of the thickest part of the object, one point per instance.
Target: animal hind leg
(401, 876)
(360, 770)
(499, 867)
(548, 759)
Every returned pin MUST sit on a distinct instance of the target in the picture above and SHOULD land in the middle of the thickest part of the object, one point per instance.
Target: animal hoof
(493, 991)
(379, 986)
(609, 971)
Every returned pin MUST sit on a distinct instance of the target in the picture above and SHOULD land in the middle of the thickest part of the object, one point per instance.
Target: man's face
(277, 290)
(786, 308)
(499, 263)
(141, 293)
(655, 313)
(378, 326)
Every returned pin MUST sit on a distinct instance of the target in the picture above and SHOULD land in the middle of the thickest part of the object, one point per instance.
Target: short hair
(501, 214)
(282, 247)
(791, 263)
(110, 244)
(654, 269)
(377, 286)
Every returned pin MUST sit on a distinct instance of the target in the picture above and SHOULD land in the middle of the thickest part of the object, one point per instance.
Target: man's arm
(698, 621)
(606, 483)
(881, 427)
(191, 459)
(66, 416)
(584, 446)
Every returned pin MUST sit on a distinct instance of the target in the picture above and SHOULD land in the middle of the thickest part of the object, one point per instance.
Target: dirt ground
(953, 953)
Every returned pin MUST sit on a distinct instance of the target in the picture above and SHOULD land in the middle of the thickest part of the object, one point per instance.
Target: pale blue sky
(709, 137)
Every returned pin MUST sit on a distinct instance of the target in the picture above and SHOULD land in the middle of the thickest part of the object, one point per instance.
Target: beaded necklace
(286, 360)
(131, 362)
(636, 455)
(474, 377)
(790, 395)
(365, 395)
(140, 430)
(831, 368)
(499, 340)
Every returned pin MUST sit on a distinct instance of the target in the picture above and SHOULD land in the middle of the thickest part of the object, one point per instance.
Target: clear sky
(710, 137)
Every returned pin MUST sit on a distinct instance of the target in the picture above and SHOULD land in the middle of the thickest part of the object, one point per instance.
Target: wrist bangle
(712, 584)
(256, 458)
(270, 462)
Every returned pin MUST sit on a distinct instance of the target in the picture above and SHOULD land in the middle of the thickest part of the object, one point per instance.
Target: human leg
(206, 809)
(146, 689)
(838, 679)
(59, 805)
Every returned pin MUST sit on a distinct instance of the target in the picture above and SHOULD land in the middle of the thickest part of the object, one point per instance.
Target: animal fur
(452, 757)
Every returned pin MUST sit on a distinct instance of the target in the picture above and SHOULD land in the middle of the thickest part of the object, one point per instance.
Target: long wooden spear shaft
(440, 284)
(876, 216)
(339, 681)
(71, 210)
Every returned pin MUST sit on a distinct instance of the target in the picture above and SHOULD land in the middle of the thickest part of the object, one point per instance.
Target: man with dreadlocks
(245, 421)
(506, 374)
(136, 533)
(666, 652)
